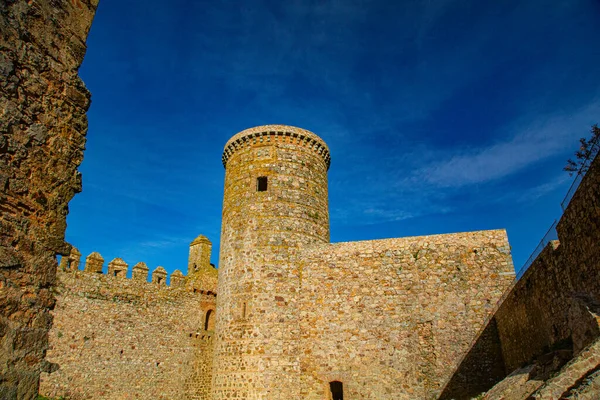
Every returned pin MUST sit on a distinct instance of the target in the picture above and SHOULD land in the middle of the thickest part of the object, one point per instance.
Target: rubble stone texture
(120, 338)
(387, 318)
(42, 138)
(552, 313)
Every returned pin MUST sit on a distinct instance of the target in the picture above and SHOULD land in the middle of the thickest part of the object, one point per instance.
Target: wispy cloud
(529, 143)
(541, 190)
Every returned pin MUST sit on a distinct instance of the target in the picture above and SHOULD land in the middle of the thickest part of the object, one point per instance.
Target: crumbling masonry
(42, 138)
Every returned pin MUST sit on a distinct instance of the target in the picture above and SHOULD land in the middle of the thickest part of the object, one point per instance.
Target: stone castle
(292, 316)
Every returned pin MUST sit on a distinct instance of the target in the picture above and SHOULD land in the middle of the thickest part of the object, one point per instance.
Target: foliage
(588, 150)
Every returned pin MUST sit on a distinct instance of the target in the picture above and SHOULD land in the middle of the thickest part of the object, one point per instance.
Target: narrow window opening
(337, 390)
(261, 184)
(115, 273)
(209, 322)
(159, 280)
(244, 310)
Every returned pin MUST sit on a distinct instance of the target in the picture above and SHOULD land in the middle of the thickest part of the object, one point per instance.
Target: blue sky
(441, 116)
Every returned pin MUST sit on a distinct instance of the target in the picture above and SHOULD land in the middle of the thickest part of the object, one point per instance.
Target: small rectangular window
(261, 184)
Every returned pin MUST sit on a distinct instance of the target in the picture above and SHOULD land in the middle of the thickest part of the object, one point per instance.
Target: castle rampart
(294, 314)
(120, 338)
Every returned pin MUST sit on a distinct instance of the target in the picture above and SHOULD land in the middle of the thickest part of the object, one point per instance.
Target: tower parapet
(272, 134)
(200, 250)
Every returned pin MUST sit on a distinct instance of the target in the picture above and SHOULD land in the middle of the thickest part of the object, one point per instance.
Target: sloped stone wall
(554, 303)
(555, 307)
(42, 138)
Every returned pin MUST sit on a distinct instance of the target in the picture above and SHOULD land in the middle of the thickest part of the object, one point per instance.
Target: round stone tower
(275, 203)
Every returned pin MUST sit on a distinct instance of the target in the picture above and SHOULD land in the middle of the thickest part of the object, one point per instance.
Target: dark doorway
(337, 390)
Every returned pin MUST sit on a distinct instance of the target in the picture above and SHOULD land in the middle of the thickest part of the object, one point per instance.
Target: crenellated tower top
(260, 135)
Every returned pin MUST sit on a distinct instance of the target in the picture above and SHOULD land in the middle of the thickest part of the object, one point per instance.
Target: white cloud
(530, 141)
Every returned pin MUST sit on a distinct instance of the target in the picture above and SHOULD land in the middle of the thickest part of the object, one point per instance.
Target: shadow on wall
(552, 313)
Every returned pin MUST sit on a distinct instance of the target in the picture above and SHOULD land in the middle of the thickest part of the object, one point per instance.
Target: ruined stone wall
(553, 311)
(119, 338)
(390, 318)
(42, 138)
(257, 343)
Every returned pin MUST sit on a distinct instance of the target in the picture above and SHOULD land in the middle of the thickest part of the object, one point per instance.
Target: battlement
(118, 269)
(276, 134)
(149, 333)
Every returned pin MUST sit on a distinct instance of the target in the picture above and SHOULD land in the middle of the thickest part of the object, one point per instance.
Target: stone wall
(119, 338)
(481, 367)
(390, 318)
(553, 310)
(42, 138)
(199, 383)
(386, 318)
(553, 304)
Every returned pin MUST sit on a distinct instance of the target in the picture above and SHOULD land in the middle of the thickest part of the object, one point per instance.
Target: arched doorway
(209, 321)
(337, 390)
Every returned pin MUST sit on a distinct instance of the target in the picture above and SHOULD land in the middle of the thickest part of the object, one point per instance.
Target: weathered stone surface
(42, 137)
(388, 318)
(553, 312)
(119, 338)
(518, 385)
